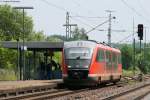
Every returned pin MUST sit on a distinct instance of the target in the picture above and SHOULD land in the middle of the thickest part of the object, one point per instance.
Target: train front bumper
(87, 81)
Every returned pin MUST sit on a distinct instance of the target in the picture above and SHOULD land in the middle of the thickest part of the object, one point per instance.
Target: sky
(50, 15)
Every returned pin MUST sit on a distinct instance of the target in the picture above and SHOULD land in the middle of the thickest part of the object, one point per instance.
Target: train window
(119, 59)
(114, 57)
(100, 56)
(114, 60)
(108, 58)
(78, 52)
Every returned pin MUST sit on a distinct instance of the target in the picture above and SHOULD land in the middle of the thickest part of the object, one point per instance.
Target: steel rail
(117, 95)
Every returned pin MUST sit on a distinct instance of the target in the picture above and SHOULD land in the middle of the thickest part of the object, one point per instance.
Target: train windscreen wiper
(78, 57)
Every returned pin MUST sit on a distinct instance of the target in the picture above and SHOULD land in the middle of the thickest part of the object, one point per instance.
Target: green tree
(11, 23)
(146, 60)
(8, 59)
(79, 34)
(127, 53)
(37, 36)
(55, 38)
(144, 57)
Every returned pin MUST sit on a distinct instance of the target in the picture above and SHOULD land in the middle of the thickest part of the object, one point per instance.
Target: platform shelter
(24, 64)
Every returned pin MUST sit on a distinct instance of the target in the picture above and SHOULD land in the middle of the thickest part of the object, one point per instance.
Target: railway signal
(140, 31)
(140, 35)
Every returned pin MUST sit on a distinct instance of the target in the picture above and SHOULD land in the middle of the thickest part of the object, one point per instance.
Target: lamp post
(23, 33)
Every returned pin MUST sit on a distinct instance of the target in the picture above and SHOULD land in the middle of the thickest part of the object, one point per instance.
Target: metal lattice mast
(109, 27)
(68, 26)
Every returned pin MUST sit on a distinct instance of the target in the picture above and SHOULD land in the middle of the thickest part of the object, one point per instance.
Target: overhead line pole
(68, 26)
(109, 28)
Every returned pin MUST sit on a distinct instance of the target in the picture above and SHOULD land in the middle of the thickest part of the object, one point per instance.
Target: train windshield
(78, 57)
(78, 53)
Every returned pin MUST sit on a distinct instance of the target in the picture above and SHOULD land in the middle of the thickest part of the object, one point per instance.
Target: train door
(114, 63)
(108, 63)
(111, 67)
(100, 61)
(119, 64)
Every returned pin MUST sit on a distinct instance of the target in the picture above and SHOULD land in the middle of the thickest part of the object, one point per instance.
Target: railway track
(43, 95)
(89, 92)
(40, 93)
(136, 93)
(54, 94)
(46, 92)
(115, 92)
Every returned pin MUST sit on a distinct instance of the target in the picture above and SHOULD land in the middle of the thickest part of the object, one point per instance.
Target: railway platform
(9, 85)
(8, 88)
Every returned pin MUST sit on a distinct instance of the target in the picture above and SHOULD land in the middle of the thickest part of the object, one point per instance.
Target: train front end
(77, 56)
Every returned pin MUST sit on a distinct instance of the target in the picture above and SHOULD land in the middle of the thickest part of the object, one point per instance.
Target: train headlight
(69, 66)
(86, 66)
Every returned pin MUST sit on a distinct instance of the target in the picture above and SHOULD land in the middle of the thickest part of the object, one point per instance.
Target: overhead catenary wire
(54, 5)
(85, 17)
(76, 3)
(76, 15)
(91, 17)
(81, 5)
(81, 18)
(134, 10)
(90, 26)
(96, 27)
(131, 35)
(143, 9)
(62, 9)
(80, 21)
(58, 7)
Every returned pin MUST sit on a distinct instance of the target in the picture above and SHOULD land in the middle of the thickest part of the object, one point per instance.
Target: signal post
(140, 35)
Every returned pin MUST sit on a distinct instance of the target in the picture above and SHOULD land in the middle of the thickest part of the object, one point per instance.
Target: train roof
(89, 43)
(79, 43)
(106, 47)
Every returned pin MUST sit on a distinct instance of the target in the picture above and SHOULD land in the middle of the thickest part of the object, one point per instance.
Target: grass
(6, 74)
(130, 72)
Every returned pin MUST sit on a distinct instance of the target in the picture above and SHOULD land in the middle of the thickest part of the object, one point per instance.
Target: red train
(90, 63)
